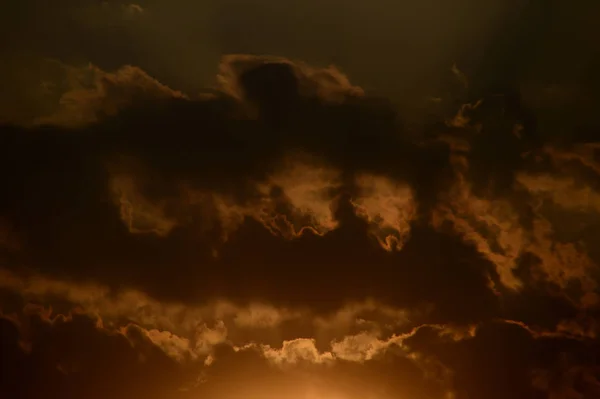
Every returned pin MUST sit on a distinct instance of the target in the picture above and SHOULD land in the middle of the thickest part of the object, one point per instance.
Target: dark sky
(255, 199)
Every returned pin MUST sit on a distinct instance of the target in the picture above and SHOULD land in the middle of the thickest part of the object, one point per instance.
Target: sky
(251, 199)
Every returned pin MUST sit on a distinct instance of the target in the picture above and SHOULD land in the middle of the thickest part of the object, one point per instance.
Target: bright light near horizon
(338, 390)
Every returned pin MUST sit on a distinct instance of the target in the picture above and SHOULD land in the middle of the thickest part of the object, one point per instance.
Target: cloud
(286, 235)
(237, 71)
(74, 96)
(505, 232)
(358, 347)
(200, 326)
(134, 8)
(92, 93)
(388, 207)
(73, 356)
(298, 350)
(193, 356)
(310, 172)
(310, 190)
(138, 215)
(488, 352)
(431, 361)
(491, 358)
(174, 346)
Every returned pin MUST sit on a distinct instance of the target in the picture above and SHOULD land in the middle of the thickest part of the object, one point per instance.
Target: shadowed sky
(259, 199)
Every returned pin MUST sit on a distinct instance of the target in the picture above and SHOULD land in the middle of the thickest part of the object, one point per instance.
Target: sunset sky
(300, 199)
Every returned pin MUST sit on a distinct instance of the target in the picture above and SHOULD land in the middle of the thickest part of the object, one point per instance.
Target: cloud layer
(287, 235)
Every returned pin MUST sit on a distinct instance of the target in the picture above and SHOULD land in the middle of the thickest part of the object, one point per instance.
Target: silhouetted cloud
(287, 233)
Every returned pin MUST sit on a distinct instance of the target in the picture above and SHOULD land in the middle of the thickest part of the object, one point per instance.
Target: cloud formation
(286, 234)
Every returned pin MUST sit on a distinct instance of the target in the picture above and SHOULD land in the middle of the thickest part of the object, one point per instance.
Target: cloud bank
(287, 235)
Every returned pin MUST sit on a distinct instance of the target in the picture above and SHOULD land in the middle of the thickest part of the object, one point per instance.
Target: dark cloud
(171, 179)
(73, 356)
(163, 178)
(82, 355)
(403, 49)
(287, 232)
(502, 358)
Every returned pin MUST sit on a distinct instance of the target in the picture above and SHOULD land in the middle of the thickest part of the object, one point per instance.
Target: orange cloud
(562, 191)
(191, 331)
(495, 227)
(484, 222)
(359, 347)
(297, 196)
(140, 215)
(419, 349)
(310, 189)
(91, 94)
(388, 206)
(296, 351)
